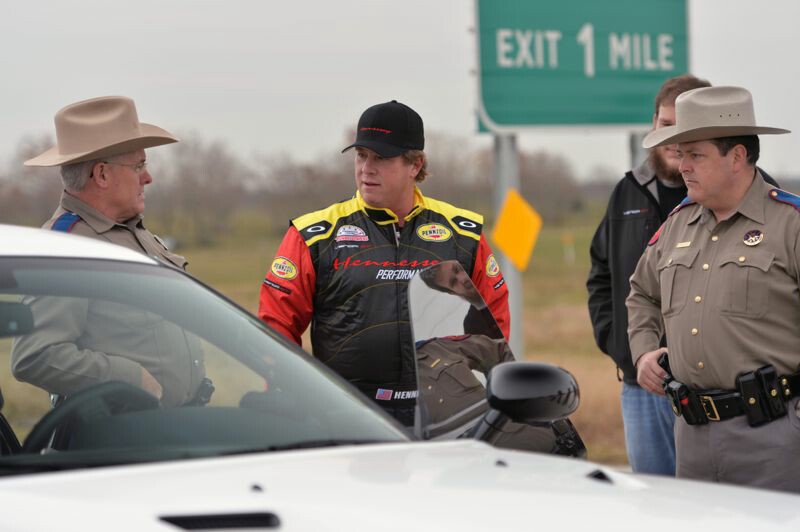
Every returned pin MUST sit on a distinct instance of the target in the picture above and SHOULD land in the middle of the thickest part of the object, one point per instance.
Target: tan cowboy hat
(100, 127)
(710, 113)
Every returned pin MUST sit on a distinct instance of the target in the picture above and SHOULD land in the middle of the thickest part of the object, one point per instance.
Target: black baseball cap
(389, 129)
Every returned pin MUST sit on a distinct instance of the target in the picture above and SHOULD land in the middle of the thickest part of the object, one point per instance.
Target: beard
(662, 168)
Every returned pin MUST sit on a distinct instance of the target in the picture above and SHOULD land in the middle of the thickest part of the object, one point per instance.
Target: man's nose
(684, 165)
(146, 178)
(368, 166)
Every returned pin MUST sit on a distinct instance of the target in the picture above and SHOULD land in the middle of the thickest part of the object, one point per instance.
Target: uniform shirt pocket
(746, 283)
(674, 274)
(456, 379)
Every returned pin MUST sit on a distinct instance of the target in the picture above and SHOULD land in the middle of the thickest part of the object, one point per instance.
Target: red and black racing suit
(345, 269)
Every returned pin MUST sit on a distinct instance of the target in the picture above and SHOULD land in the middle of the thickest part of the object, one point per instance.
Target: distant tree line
(203, 192)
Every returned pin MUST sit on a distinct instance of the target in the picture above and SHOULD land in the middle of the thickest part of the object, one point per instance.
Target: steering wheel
(106, 399)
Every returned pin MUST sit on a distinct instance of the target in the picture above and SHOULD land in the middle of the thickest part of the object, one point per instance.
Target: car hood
(460, 485)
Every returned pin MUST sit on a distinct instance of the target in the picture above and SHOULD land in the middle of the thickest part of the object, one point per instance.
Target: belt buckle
(714, 414)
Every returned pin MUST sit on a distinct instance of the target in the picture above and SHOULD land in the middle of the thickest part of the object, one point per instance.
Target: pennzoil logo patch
(351, 233)
(434, 233)
(284, 268)
(492, 268)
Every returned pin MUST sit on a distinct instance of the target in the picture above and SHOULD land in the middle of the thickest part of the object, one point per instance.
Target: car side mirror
(526, 392)
(529, 392)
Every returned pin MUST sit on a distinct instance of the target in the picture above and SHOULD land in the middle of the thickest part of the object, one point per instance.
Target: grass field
(556, 319)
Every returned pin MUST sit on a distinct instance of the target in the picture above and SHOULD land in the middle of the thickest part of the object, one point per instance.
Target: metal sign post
(506, 168)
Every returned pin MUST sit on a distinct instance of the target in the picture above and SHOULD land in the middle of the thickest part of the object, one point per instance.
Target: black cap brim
(381, 148)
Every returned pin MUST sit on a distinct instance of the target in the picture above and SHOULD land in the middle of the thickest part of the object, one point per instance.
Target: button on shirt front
(750, 311)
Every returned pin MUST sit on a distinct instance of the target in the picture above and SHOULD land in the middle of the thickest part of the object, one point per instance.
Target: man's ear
(99, 175)
(739, 157)
(417, 165)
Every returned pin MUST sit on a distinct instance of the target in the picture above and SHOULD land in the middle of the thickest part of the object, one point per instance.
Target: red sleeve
(287, 293)
(489, 280)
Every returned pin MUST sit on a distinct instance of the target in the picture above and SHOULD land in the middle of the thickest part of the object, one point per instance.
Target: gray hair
(75, 176)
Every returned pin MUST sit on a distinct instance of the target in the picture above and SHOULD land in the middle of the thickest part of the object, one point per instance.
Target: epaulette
(686, 202)
(788, 198)
(65, 222)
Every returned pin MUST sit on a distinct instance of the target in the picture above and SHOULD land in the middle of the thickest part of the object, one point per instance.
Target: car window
(105, 336)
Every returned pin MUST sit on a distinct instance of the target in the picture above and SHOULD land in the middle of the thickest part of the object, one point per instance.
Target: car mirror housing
(529, 392)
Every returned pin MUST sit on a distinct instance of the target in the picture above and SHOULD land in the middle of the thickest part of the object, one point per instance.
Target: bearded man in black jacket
(638, 206)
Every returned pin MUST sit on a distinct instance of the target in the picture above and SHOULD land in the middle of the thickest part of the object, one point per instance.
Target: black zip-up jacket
(632, 217)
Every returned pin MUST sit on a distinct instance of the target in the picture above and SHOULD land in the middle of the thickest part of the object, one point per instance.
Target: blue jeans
(649, 438)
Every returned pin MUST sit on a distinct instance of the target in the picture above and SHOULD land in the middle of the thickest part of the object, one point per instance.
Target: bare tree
(29, 194)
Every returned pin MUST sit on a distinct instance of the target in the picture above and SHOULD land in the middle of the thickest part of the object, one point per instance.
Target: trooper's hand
(649, 374)
(150, 384)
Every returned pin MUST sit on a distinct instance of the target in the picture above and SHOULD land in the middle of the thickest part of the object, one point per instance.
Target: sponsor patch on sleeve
(283, 268)
(276, 286)
(492, 268)
(499, 283)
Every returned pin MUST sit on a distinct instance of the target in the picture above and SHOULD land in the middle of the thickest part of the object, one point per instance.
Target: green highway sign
(576, 62)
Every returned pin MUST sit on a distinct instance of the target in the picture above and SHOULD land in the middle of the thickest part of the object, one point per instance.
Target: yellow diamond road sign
(517, 229)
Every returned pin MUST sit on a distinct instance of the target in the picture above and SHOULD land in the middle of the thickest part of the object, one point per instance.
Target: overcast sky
(292, 76)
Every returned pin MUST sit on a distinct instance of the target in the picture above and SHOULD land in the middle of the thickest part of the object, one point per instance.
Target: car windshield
(87, 347)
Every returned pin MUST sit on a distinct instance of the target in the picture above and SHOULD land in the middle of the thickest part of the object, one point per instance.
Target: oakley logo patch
(434, 233)
(465, 224)
(314, 231)
(283, 268)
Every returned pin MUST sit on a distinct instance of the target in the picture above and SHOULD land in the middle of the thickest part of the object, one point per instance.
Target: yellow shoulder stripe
(326, 219)
(451, 212)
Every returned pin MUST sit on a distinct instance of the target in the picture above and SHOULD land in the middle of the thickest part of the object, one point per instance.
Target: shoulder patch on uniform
(788, 198)
(66, 222)
(464, 222)
(656, 235)
(318, 225)
(685, 203)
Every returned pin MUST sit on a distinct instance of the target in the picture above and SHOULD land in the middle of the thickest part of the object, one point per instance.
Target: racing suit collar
(382, 216)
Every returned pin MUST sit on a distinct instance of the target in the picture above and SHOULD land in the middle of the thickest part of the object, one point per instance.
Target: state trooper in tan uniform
(722, 276)
(77, 343)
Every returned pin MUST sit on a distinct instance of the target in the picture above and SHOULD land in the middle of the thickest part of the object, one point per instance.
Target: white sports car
(137, 398)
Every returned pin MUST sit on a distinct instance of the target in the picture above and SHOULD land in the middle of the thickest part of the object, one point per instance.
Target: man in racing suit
(345, 268)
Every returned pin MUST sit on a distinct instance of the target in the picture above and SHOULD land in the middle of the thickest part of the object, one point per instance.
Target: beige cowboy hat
(99, 127)
(710, 113)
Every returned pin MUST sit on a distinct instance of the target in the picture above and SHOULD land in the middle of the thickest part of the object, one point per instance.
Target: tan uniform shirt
(728, 307)
(80, 342)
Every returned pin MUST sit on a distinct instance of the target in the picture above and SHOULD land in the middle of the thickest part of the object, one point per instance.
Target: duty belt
(761, 395)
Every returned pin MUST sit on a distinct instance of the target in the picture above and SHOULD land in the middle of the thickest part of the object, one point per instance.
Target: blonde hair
(411, 156)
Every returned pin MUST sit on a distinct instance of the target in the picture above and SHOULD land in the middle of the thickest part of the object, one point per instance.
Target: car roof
(18, 241)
